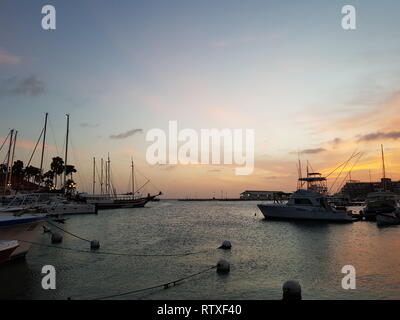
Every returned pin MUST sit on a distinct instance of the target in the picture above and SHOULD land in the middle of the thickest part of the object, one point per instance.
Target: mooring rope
(164, 285)
(70, 233)
(114, 253)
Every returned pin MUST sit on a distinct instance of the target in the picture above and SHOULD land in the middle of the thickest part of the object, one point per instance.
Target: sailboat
(383, 201)
(110, 200)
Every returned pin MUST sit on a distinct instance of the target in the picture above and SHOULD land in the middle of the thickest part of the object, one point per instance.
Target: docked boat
(383, 201)
(385, 219)
(380, 202)
(307, 204)
(24, 228)
(52, 204)
(115, 202)
(110, 199)
(7, 247)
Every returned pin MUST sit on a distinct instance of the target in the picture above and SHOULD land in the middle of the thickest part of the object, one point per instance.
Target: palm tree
(48, 179)
(32, 172)
(17, 171)
(57, 166)
(69, 170)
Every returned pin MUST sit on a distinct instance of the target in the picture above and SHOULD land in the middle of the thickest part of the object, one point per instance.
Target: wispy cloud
(310, 151)
(31, 86)
(7, 58)
(126, 134)
(89, 125)
(380, 136)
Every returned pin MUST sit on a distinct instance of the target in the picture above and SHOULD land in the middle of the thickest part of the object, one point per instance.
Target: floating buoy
(223, 266)
(226, 245)
(56, 237)
(94, 244)
(291, 290)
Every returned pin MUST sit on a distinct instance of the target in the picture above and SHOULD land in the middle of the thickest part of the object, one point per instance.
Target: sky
(286, 69)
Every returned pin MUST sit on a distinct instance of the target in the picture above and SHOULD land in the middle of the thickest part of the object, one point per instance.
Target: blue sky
(284, 68)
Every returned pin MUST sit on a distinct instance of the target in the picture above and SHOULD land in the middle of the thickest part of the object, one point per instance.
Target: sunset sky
(284, 68)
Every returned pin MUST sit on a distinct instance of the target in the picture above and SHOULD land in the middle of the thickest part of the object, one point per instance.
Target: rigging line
(343, 167)
(5, 140)
(77, 162)
(344, 180)
(34, 150)
(164, 285)
(351, 157)
(54, 135)
(148, 180)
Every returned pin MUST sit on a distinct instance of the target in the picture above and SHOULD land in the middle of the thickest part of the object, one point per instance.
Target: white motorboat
(305, 205)
(24, 228)
(53, 205)
(57, 208)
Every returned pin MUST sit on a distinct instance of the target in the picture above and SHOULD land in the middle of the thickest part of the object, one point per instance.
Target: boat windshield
(303, 201)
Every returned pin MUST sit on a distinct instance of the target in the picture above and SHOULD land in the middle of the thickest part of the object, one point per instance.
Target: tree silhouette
(57, 166)
(69, 170)
(18, 170)
(32, 172)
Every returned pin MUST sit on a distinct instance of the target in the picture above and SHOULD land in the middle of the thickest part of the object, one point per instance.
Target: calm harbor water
(264, 255)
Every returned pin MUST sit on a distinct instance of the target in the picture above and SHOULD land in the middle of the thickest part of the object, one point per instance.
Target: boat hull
(24, 231)
(6, 249)
(284, 212)
(71, 209)
(118, 204)
(387, 219)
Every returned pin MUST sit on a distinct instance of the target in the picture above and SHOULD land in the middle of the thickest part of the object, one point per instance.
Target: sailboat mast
(94, 175)
(383, 168)
(133, 180)
(12, 157)
(8, 160)
(43, 146)
(101, 177)
(106, 169)
(109, 175)
(66, 151)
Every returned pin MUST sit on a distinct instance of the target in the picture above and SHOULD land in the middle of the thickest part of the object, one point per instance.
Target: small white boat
(305, 205)
(53, 205)
(57, 208)
(25, 228)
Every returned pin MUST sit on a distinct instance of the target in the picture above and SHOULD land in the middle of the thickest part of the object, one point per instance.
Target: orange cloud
(7, 58)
